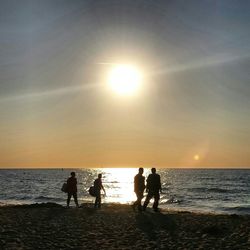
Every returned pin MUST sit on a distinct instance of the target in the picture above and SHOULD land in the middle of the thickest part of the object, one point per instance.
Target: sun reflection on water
(119, 184)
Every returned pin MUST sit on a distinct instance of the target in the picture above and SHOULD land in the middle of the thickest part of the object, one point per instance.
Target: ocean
(198, 190)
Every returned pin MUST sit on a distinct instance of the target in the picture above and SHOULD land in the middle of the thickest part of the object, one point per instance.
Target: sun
(124, 79)
(196, 157)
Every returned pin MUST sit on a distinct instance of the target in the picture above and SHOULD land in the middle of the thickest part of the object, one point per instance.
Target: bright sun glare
(124, 79)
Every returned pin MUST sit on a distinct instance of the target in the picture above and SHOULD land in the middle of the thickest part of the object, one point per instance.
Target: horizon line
(65, 168)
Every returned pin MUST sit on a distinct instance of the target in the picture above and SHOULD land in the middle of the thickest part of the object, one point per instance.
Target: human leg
(139, 198)
(98, 200)
(148, 198)
(75, 199)
(68, 199)
(137, 203)
(156, 201)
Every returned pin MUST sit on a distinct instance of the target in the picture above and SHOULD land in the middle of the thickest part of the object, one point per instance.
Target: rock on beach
(114, 226)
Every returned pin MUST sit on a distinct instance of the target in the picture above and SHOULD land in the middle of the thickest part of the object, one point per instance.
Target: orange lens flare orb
(196, 157)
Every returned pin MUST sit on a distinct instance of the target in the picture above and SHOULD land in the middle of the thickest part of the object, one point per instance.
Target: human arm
(148, 183)
(103, 189)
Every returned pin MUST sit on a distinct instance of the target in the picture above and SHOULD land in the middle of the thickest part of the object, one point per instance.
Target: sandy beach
(51, 226)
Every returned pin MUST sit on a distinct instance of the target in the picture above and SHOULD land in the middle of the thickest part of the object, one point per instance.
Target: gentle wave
(238, 209)
(214, 190)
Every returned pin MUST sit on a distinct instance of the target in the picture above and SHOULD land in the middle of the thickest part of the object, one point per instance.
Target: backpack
(92, 191)
(64, 187)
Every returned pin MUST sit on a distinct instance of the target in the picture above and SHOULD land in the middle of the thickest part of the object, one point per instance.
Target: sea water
(199, 190)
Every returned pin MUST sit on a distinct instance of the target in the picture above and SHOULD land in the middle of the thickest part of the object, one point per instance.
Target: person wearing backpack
(72, 189)
(98, 187)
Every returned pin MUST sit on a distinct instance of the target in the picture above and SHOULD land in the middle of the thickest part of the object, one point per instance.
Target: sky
(193, 106)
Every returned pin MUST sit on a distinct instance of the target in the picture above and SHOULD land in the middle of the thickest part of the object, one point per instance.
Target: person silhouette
(72, 188)
(153, 187)
(139, 186)
(98, 187)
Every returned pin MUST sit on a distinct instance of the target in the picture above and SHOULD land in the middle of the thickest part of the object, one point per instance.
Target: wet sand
(51, 226)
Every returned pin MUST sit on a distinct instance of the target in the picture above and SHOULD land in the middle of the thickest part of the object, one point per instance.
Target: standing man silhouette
(72, 188)
(153, 188)
(98, 187)
(139, 186)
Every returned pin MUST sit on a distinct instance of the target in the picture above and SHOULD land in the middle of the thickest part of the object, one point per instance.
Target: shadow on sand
(151, 223)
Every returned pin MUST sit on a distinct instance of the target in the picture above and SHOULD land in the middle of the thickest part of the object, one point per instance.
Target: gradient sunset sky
(192, 110)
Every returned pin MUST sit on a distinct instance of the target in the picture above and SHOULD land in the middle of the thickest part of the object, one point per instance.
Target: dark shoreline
(89, 204)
